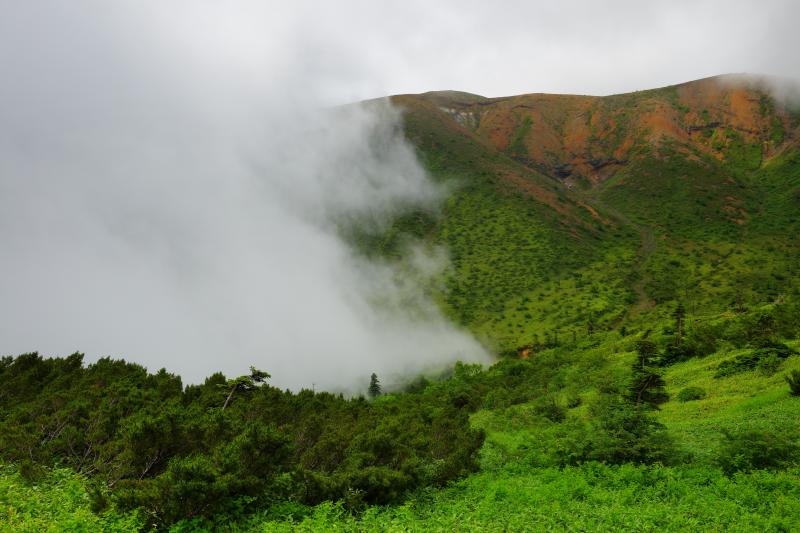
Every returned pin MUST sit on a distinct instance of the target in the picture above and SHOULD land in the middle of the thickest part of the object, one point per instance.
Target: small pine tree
(647, 351)
(374, 389)
(647, 386)
(244, 383)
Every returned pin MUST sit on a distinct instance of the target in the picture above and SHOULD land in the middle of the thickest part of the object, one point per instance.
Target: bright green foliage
(590, 497)
(61, 501)
(690, 394)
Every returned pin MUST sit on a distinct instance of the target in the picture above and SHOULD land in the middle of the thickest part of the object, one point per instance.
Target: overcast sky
(169, 181)
(351, 50)
(584, 47)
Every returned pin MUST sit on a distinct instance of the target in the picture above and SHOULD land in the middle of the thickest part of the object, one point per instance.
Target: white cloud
(188, 221)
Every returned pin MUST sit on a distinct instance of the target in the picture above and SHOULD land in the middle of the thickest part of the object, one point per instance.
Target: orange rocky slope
(589, 138)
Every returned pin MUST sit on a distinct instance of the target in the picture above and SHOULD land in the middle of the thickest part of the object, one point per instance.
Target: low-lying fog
(165, 201)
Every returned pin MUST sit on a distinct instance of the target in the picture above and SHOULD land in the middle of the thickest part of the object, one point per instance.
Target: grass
(509, 268)
(588, 498)
(592, 497)
(59, 502)
(750, 400)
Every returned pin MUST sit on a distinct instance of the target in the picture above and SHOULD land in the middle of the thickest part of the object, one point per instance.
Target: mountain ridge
(577, 137)
(592, 211)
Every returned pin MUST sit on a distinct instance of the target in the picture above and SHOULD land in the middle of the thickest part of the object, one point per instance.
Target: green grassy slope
(699, 208)
(518, 241)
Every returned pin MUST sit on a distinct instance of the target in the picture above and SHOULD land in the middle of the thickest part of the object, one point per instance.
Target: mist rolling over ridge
(189, 221)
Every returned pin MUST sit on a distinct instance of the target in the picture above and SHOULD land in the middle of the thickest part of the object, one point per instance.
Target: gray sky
(352, 50)
(583, 47)
(355, 50)
(169, 179)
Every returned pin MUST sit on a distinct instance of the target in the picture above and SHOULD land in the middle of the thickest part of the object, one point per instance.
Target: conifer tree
(647, 386)
(245, 383)
(374, 389)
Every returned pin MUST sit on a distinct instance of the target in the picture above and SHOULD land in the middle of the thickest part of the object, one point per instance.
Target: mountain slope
(577, 212)
(589, 138)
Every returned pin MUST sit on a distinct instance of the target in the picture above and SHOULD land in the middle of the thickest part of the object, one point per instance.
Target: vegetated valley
(633, 261)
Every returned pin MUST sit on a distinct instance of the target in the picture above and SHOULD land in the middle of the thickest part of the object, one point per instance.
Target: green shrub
(793, 379)
(769, 364)
(689, 394)
(675, 354)
(574, 401)
(766, 358)
(621, 432)
(753, 449)
(549, 408)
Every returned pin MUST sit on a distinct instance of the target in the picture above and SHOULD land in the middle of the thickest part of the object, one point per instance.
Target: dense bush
(689, 394)
(621, 432)
(766, 356)
(701, 340)
(753, 449)
(590, 497)
(621, 427)
(549, 408)
(674, 353)
(186, 452)
(793, 379)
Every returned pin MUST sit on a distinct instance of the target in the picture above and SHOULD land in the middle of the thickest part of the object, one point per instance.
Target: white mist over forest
(176, 204)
